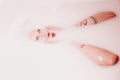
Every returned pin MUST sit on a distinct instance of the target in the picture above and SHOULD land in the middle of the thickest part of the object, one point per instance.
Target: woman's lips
(51, 35)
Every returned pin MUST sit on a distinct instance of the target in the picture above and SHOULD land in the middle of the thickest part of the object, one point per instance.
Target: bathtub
(22, 59)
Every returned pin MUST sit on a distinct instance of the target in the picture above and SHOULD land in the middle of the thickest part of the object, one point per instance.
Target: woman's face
(48, 34)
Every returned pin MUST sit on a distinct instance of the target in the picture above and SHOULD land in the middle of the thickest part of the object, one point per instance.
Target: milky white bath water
(22, 59)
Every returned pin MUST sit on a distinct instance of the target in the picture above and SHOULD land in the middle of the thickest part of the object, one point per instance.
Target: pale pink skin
(97, 55)
(100, 17)
(34, 35)
(49, 34)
